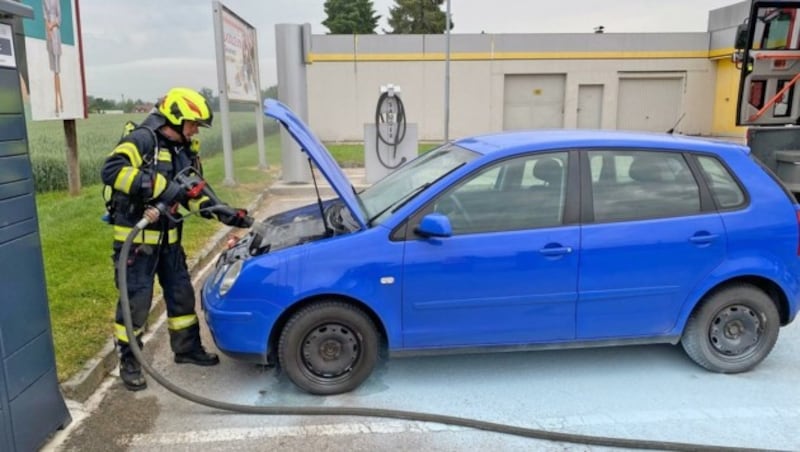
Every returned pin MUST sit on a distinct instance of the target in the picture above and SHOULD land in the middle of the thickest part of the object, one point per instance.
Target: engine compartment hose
(385, 114)
(377, 412)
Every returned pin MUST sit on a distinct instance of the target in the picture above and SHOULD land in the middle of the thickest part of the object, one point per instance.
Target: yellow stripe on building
(472, 56)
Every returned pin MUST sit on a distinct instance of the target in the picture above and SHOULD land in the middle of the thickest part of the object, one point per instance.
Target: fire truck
(768, 55)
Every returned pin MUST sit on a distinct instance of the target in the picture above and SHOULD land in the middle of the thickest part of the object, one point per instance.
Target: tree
(350, 17)
(418, 17)
(98, 104)
(213, 100)
(271, 92)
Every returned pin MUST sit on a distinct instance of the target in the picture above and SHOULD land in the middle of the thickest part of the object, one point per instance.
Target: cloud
(146, 79)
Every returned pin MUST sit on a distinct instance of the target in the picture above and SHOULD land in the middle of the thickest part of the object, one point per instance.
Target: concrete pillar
(289, 41)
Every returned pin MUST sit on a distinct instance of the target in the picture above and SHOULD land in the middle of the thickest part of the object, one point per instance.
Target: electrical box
(31, 404)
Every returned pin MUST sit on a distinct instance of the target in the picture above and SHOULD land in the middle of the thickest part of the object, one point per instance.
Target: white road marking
(244, 434)
(567, 423)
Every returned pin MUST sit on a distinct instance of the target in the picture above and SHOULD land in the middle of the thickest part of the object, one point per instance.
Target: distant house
(143, 107)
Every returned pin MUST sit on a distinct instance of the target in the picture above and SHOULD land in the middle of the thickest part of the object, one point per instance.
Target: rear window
(726, 191)
(774, 177)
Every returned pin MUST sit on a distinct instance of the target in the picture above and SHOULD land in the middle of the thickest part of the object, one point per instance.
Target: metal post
(262, 153)
(289, 44)
(447, 77)
(73, 162)
(224, 106)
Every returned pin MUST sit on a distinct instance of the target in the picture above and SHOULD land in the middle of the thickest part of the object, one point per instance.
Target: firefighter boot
(199, 357)
(130, 371)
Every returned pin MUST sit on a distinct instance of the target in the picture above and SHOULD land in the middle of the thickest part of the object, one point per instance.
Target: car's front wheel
(328, 348)
(733, 330)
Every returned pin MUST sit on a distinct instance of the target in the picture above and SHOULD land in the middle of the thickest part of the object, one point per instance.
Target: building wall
(725, 100)
(345, 73)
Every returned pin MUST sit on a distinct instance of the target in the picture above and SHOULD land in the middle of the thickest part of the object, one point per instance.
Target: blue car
(516, 241)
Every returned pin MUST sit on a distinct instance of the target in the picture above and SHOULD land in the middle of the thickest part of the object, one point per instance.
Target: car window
(629, 185)
(520, 193)
(411, 179)
(723, 186)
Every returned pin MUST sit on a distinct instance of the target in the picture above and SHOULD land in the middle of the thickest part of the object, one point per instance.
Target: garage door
(533, 101)
(652, 103)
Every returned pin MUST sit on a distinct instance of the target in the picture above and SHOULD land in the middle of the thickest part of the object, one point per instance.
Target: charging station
(31, 404)
(390, 141)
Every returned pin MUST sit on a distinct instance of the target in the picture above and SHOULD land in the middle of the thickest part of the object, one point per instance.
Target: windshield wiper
(410, 195)
(400, 202)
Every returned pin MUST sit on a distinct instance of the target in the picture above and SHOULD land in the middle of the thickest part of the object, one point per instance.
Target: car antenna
(672, 129)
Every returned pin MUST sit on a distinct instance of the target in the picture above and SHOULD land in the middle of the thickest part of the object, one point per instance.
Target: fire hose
(476, 424)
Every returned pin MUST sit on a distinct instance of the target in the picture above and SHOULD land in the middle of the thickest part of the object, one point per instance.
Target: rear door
(647, 241)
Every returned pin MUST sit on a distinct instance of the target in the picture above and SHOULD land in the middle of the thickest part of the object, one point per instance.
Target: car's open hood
(311, 145)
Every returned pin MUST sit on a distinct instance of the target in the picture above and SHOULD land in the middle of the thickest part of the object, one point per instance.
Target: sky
(139, 49)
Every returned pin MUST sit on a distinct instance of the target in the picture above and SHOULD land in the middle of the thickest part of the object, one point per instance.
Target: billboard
(53, 79)
(241, 68)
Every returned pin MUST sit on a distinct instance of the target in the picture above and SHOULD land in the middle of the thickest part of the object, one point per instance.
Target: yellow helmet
(184, 104)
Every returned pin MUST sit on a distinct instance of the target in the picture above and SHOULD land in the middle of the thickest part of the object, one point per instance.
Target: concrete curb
(84, 383)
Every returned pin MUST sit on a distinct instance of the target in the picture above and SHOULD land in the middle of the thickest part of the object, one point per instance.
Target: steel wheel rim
(736, 331)
(330, 351)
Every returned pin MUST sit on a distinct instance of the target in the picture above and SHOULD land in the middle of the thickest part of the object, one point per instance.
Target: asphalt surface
(640, 392)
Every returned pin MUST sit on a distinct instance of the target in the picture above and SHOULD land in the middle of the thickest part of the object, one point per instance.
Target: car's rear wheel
(733, 330)
(328, 348)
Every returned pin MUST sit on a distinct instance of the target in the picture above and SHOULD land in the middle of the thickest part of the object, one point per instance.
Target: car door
(649, 238)
(508, 274)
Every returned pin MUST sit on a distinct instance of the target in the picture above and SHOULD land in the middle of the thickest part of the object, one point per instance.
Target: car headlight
(230, 277)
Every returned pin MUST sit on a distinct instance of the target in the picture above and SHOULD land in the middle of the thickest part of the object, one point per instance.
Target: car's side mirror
(741, 36)
(740, 45)
(434, 225)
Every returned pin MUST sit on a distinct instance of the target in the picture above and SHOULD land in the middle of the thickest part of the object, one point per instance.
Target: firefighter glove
(237, 218)
(205, 210)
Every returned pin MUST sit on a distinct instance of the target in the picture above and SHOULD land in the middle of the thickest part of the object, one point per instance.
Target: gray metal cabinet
(31, 405)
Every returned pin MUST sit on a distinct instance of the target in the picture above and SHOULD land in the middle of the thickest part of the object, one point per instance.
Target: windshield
(410, 179)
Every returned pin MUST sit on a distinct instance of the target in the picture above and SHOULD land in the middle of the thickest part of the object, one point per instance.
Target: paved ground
(648, 392)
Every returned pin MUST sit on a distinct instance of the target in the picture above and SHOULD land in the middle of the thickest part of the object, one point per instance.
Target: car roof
(531, 140)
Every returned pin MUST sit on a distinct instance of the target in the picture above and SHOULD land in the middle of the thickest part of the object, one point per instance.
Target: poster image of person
(53, 61)
(240, 52)
(249, 62)
(52, 18)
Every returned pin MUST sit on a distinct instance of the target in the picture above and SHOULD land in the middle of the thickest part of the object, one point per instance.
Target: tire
(328, 348)
(733, 330)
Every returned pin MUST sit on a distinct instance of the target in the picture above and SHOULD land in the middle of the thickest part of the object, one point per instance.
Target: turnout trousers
(168, 263)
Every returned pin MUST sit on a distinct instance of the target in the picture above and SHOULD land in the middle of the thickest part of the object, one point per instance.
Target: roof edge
(8, 7)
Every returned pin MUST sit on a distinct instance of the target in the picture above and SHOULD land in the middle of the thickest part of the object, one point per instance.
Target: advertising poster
(240, 58)
(53, 85)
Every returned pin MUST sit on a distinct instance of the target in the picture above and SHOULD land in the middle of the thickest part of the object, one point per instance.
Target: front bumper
(242, 333)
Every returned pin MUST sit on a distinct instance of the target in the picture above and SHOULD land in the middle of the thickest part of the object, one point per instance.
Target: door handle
(556, 251)
(703, 238)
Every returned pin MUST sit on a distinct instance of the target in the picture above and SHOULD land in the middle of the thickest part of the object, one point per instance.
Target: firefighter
(140, 171)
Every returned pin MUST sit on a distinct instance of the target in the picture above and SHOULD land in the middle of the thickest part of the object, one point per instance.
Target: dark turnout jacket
(138, 171)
